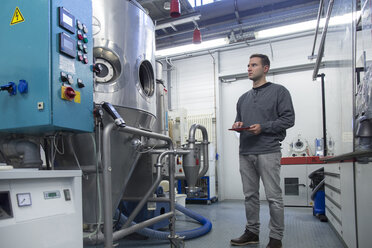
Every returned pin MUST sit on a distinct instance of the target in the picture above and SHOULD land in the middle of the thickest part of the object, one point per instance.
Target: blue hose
(189, 234)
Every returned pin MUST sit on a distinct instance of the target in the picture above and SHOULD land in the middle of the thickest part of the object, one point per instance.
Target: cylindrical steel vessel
(124, 53)
(124, 48)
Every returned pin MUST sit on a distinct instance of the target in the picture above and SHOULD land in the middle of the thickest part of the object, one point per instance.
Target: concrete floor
(302, 229)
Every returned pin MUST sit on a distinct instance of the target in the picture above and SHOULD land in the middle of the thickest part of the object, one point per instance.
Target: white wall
(193, 85)
(193, 89)
(305, 96)
(282, 54)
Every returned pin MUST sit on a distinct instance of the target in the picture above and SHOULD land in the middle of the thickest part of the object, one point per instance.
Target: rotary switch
(69, 93)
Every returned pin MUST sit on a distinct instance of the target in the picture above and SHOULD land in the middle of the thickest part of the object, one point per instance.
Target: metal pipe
(151, 199)
(322, 41)
(150, 191)
(106, 173)
(161, 156)
(99, 237)
(27, 152)
(317, 27)
(354, 53)
(144, 199)
(192, 131)
(107, 190)
(205, 143)
(132, 130)
(155, 145)
(172, 197)
(175, 151)
(325, 143)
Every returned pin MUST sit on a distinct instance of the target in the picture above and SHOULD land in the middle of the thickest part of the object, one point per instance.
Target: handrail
(106, 175)
(322, 41)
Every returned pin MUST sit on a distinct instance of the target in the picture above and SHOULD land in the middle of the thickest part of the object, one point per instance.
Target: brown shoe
(247, 238)
(274, 243)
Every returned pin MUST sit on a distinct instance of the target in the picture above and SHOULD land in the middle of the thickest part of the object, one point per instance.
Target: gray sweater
(269, 105)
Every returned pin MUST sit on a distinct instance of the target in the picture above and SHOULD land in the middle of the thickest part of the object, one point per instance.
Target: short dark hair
(264, 59)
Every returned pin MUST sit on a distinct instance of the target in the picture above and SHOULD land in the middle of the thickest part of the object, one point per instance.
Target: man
(268, 111)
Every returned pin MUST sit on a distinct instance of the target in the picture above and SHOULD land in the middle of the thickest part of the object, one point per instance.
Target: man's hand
(237, 124)
(255, 129)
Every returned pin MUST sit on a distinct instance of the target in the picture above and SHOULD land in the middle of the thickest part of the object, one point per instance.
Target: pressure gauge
(24, 199)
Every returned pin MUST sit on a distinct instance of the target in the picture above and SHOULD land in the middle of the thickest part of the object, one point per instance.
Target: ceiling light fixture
(175, 8)
(303, 26)
(209, 44)
(184, 19)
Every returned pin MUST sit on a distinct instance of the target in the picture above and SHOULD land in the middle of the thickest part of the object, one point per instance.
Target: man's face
(255, 69)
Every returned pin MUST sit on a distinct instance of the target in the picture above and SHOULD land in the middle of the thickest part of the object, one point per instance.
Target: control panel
(40, 206)
(46, 80)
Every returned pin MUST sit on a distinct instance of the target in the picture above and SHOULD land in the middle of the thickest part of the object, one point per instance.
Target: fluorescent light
(191, 47)
(178, 21)
(302, 26)
(288, 29)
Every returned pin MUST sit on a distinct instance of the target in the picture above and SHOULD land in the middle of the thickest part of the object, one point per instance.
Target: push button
(70, 80)
(80, 83)
(85, 61)
(80, 46)
(85, 48)
(63, 77)
(80, 56)
(80, 35)
(85, 29)
(79, 25)
(85, 38)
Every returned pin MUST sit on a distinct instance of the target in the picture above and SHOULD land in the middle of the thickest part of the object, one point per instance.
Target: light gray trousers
(266, 166)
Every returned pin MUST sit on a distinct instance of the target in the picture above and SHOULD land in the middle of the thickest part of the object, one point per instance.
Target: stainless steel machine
(115, 134)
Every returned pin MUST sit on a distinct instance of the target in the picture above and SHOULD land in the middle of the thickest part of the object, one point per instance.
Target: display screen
(66, 19)
(68, 44)
(53, 194)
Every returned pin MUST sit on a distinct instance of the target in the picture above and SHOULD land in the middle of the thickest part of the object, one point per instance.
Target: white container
(181, 199)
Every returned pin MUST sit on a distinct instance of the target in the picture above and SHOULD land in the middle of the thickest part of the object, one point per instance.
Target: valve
(10, 87)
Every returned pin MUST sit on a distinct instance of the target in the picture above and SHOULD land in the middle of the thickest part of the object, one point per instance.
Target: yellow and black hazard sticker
(17, 17)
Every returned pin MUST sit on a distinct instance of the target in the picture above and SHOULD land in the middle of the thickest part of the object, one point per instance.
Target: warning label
(17, 17)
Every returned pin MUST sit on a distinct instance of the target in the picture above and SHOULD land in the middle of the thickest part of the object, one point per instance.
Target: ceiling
(235, 19)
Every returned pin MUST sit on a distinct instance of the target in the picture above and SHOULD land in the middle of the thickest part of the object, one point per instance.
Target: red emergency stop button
(69, 93)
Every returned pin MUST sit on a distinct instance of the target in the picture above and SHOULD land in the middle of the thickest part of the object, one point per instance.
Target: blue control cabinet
(46, 76)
